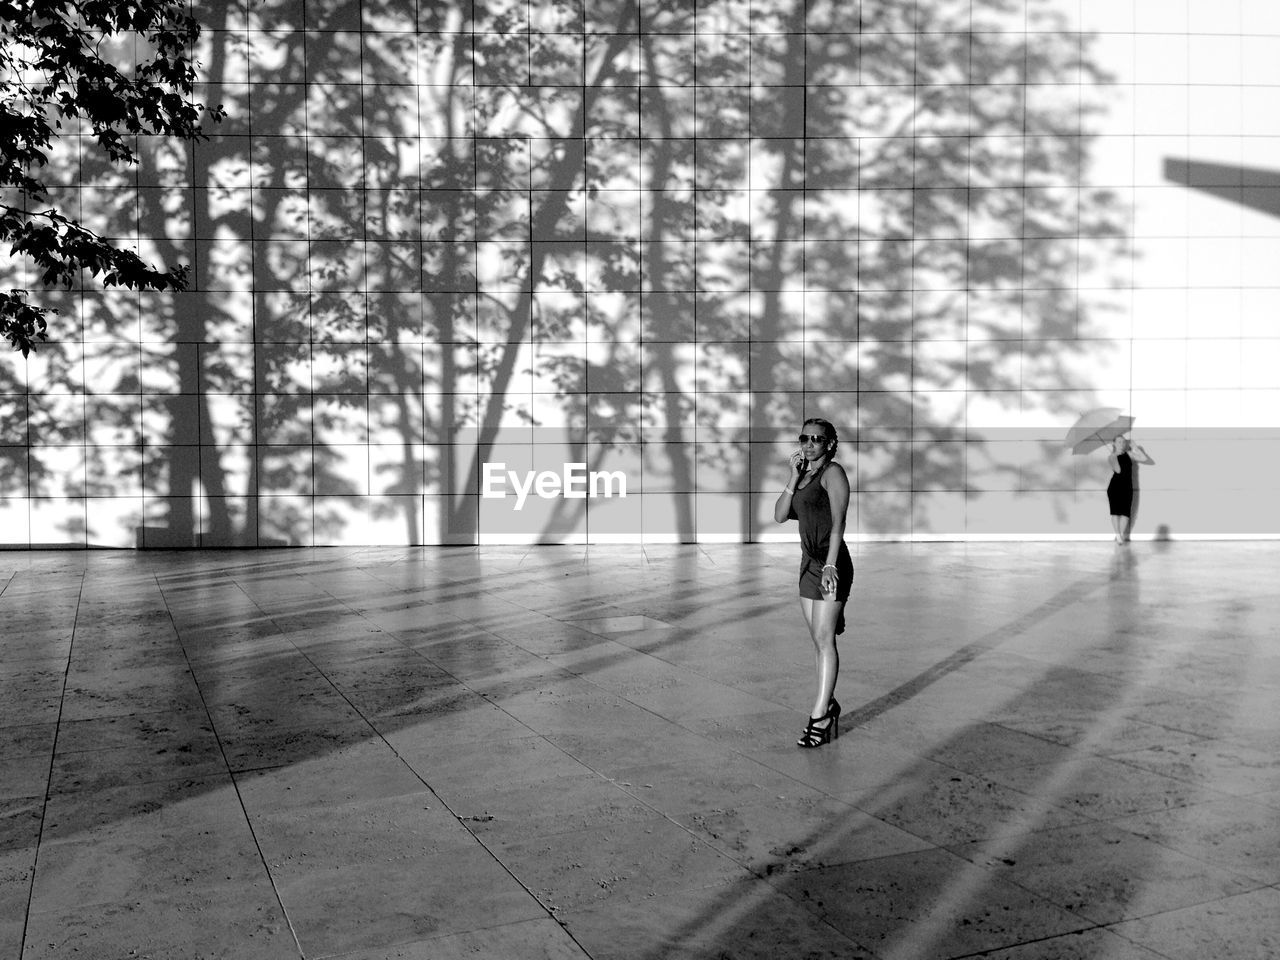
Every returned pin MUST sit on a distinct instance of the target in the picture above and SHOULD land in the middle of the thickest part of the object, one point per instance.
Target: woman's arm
(836, 483)
(1114, 461)
(782, 507)
(1141, 456)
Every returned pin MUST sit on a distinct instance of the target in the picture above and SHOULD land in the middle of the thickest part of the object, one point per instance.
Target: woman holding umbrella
(1120, 488)
(1096, 429)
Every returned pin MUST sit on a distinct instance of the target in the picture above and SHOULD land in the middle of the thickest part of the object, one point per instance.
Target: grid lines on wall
(651, 238)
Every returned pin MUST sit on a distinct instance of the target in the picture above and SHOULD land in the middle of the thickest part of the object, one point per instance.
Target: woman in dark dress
(817, 495)
(1121, 486)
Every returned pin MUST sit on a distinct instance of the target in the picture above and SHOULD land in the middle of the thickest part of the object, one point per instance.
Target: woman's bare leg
(821, 616)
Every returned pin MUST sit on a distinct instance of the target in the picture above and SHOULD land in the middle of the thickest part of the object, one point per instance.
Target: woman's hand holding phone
(798, 465)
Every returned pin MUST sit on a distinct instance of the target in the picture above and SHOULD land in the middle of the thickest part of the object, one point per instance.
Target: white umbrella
(1097, 428)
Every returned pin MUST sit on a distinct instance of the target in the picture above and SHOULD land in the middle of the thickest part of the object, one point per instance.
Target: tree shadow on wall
(873, 225)
(594, 231)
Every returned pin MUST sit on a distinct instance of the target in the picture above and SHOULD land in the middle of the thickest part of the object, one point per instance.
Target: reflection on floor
(1047, 750)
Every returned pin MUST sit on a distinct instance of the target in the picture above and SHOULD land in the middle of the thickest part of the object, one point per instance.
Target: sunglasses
(815, 438)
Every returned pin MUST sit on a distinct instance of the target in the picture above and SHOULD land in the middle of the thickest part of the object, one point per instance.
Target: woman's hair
(829, 430)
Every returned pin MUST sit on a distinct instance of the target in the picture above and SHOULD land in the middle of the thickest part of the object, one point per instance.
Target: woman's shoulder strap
(830, 463)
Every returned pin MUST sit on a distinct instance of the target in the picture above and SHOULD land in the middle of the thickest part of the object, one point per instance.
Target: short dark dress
(812, 507)
(1120, 488)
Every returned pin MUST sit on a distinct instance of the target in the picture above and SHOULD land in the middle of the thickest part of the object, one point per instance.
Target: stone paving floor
(1062, 750)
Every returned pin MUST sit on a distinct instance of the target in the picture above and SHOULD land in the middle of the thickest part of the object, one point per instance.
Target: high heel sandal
(815, 735)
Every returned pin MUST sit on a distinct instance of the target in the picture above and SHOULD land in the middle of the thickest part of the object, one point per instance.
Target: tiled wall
(651, 237)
